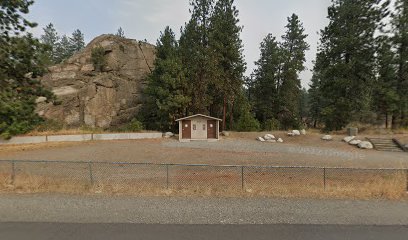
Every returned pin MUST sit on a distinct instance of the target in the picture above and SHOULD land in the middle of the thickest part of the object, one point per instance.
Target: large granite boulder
(105, 98)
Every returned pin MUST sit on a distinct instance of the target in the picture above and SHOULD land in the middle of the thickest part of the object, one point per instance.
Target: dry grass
(265, 183)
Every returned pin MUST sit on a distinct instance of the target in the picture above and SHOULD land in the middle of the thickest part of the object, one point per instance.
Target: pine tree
(63, 49)
(197, 56)
(346, 79)
(51, 39)
(76, 41)
(385, 97)
(167, 87)
(266, 79)
(294, 46)
(400, 40)
(19, 58)
(225, 42)
(304, 106)
(120, 33)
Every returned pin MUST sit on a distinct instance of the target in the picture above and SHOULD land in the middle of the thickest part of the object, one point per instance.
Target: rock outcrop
(104, 98)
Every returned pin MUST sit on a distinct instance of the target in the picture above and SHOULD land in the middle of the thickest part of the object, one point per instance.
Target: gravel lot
(299, 151)
(98, 209)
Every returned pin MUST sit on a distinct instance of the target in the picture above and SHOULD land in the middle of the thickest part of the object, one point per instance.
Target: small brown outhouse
(199, 127)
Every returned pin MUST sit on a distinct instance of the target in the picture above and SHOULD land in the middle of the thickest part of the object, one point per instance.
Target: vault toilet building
(199, 127)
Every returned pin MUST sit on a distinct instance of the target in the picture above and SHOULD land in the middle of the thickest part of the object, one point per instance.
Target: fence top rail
(196, 165)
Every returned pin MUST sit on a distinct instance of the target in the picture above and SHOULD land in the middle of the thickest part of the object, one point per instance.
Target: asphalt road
(178, 210)
(60, 231)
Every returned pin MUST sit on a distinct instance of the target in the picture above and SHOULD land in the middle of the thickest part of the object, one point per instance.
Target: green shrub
(98, 58)
(247, 123)
(134, 126)
(271, 124)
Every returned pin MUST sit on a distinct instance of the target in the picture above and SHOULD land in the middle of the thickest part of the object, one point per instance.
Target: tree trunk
(386, 120)
(224, 113)
(394, 124)
(231, 115)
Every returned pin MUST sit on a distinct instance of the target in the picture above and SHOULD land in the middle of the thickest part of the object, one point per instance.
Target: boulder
(355, 142)
(365, 145)
(111, 97)
(291, 134)
(280, 140)
(225, 134)
(348, 139)
(269, 137)
(271, 141)
(296, 133)
(168, 135)
(261, 139)
(327, 138)
(303, 132)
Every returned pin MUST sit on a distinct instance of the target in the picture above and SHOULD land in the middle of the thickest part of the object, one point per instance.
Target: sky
(145, 19)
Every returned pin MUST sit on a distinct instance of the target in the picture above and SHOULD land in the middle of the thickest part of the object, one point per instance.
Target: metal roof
(198, 115)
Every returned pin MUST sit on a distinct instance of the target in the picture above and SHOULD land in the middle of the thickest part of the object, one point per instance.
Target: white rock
(225, 134)
(303, 132)
(280, 140)
(365, 145)
(168, 134)
(291, 134)
(355, 142)
(261, 139)
(41, 100)
(296, 133)
(269, 137)
(348, 139)
(271, 141)
(327, 138)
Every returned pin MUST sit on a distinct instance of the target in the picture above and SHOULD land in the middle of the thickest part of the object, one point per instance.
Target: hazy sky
(144, 19)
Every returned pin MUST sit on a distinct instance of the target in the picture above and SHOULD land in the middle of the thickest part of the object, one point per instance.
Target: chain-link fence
(149, 178)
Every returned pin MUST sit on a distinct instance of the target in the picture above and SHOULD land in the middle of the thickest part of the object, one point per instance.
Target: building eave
(198, 115)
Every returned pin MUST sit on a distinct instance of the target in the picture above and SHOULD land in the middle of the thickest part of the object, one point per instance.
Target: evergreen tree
(63, 49)
(346, 79)
(316, 100)
(266, 79)
(294, 46)
(400, 40)
(120, 33)
(76, 41)
(225, 42)
(385, 97)
(167, 87)
(304, 107)
(198, 57)
(51, 39)
(20, 63)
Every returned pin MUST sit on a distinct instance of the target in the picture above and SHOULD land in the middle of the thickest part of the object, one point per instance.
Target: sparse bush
(271, 124)
(98, 58)
(50, 125)
(247, 123)
(134, 126)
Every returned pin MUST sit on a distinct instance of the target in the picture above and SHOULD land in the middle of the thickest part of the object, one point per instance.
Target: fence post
(90, 173)
(167, 176)
(242, 177)
(13, 171)
(324, 178)
(406, 175)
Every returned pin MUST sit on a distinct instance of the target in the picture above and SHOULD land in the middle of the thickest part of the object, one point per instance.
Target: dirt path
(302, 151)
